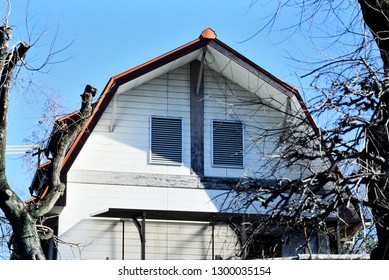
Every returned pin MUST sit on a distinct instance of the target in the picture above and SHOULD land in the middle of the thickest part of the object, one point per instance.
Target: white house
(151, 174)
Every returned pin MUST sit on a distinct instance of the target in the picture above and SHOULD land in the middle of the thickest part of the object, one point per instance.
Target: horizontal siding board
(94, 198)
(162, 93)
(133, 96)
(137, 145)
(123, 107)
(101, 239)
(167, 95)
(126, 150)
(151, 169)
(152, 110)
(225, 100)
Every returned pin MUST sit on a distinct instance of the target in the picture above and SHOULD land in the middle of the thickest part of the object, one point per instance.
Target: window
(166, 140)
(227, 144)
(265, 247)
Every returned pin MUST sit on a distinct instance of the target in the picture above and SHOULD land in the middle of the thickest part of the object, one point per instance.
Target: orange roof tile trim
(208, 34)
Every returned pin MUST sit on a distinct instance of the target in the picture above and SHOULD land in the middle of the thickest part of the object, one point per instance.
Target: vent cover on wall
(227, 144)
(166, 140)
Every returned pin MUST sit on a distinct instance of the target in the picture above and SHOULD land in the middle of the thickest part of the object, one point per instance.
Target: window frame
(154, 161)
(265, 246)
(218, 165)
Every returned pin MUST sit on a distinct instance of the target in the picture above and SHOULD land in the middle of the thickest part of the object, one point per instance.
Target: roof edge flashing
(208, 34)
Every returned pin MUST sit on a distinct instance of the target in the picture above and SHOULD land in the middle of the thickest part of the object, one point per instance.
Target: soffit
(233, 68)
(247, 76)
(179, 62)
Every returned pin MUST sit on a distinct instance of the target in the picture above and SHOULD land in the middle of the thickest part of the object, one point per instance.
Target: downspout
(213, 242)
(143, 237)
(123, 237)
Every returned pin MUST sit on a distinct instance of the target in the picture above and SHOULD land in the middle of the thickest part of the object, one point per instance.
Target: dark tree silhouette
(351, 92)
(22, 217)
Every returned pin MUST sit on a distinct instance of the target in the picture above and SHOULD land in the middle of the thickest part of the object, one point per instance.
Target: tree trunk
(376, 16)
(26, 241)
(23, 217)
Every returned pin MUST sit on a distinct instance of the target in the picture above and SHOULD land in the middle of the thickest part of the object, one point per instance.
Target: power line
(20, 149)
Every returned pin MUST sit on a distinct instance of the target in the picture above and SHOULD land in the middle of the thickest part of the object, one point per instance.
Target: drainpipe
(213, 242)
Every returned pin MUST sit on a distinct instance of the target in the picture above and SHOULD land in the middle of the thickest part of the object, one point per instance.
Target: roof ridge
(208, 34)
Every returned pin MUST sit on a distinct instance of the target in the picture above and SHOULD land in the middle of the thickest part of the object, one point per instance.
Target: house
(151, 175)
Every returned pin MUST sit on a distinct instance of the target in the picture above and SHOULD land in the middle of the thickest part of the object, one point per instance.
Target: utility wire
(20, 149)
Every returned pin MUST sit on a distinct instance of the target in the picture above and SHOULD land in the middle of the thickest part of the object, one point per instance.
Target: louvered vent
(227, 144)
(166, 140)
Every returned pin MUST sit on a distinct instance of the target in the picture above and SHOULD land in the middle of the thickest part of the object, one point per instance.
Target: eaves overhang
(123, 213)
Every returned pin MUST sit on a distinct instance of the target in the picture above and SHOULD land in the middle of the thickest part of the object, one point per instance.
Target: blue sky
(108, 37)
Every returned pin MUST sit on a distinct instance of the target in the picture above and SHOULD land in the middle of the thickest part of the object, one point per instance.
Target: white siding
(83, 200)
(126, 148)
(100, 239)
(225, 100)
